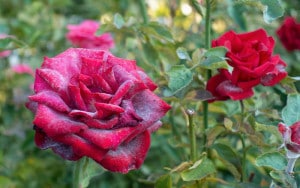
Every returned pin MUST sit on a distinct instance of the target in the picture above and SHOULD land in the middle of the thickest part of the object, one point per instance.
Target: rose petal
(101, 124)
(77, 98)
(55, 80)
(81, 147)
(128, 156)
(149, 106)
(50, 99)
(102, 84)
(106, 139)
(104, 109)
(54, 123)
(121, 92)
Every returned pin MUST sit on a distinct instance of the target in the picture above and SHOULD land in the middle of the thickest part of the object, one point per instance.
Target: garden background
(167, 38)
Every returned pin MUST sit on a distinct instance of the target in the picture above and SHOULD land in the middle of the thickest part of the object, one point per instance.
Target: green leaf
(214, 62)
(273, 160)
(157, 31)
(199, 170)
(179, 78)
(217, 51)
(291, 112)
(164, 181)
(268, 128)
(197, 55)
(283, 179)
(213, 133)
(272, 10)
(227, 153)
(182, 54)
(118, 21)
(236, 13)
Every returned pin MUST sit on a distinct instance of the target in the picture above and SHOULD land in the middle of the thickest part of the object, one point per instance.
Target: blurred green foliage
(174, 36)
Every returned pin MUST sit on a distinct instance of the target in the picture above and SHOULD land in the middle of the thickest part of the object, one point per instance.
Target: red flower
(84, 36)
(288, 34)
(90, 103)
(291, 137)
(250, 56)
(22, 69)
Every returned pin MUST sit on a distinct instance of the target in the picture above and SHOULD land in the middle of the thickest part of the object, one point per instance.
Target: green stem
(207, 45)
(242, 135)
(290, 166)
(192, 135)
(207, 31)
(144, 11)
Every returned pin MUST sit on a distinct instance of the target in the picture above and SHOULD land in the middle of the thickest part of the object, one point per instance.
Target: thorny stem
(144, 11)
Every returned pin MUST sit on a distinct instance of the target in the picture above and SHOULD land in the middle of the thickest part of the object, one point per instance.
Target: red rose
(250, 56)
(291, 137)
(84, 36)
(288, 34)
(90, 103)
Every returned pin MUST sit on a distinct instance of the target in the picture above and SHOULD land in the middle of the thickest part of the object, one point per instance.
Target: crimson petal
(128, 156)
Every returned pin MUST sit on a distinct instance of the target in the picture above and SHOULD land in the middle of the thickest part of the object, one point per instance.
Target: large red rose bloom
(250, 56)
(90, 103)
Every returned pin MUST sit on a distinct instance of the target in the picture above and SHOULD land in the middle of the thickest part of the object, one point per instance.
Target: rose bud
(288, 34)
(291, 138)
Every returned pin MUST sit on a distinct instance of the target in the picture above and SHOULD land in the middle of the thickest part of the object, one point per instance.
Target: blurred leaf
(214, 62)
(227, 153)
(179, 78)
(268, 128)
(284, 179)
(199, 170)
(6, 182)
(10, 43)
(158, 31)
(217, 51)
(213, 133)
(118, 21)
(228, 124)
(273, 160)
(291, 112)
(182, 54)
(272, 10)
(197, 55)
(164, 181)
(236, 12)
(288, 84)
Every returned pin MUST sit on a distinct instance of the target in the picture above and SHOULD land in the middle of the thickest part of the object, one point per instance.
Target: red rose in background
(4, 53)
(291, 136)
(250, 55)
(84, 36)
(289, 34)
(90, 103)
